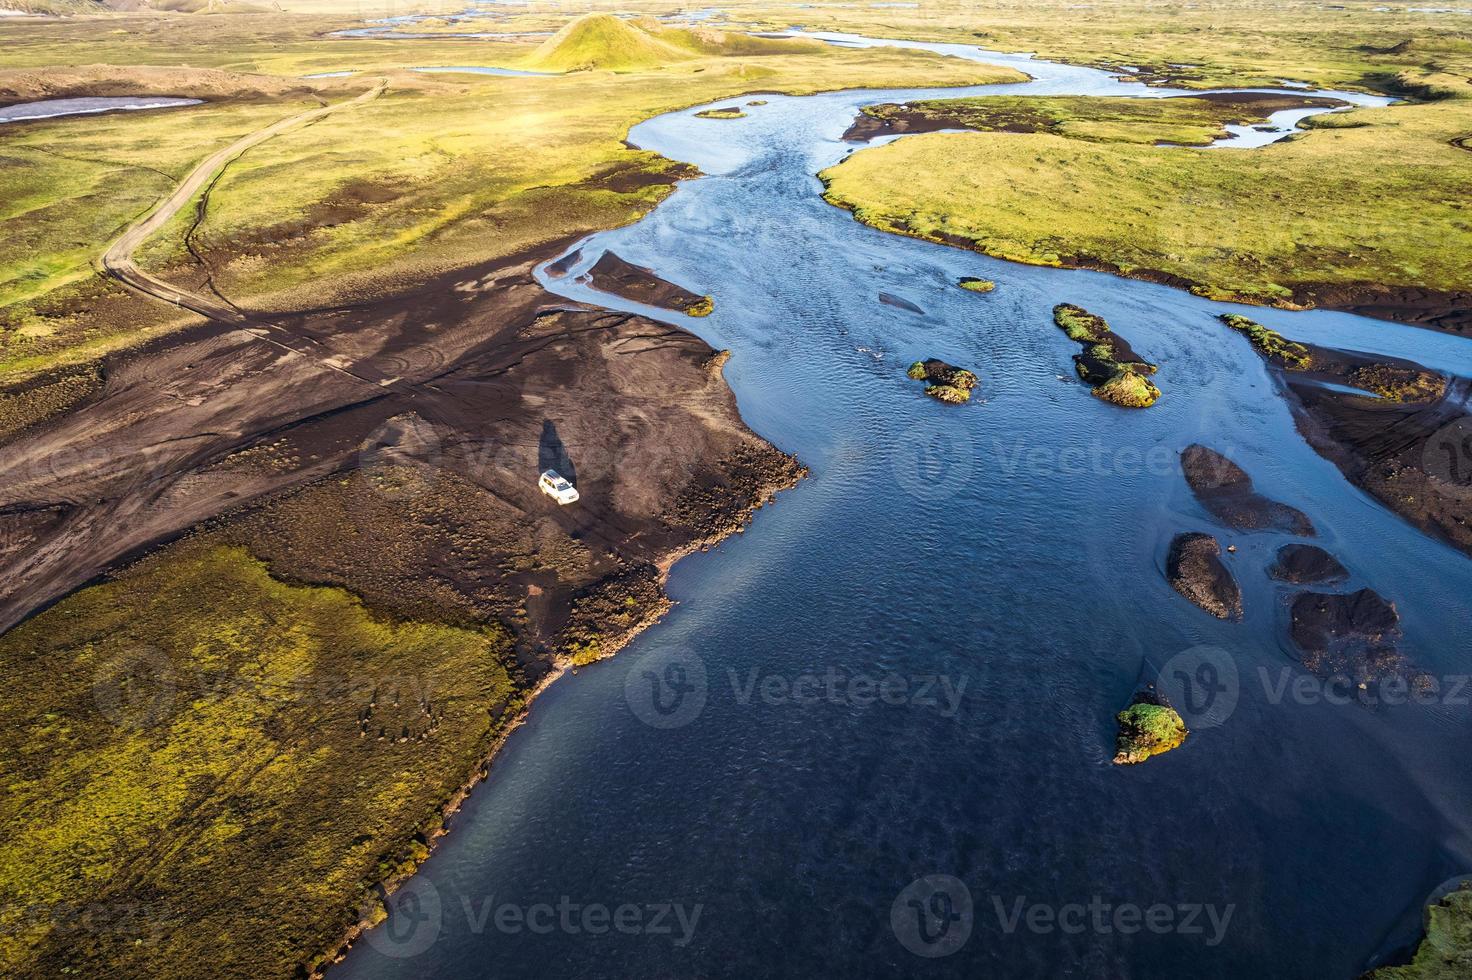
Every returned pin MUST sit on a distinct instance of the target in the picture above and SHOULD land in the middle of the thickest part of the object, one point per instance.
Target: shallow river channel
(909, 666)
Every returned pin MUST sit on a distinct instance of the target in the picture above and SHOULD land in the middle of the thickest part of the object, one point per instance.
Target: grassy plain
(1371, 197)
(1374, 198)
(224, 750)
(1352, 44)
(444, 171)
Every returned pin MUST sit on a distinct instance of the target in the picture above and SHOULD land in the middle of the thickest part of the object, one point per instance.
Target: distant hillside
(604, 41)
(75, 7)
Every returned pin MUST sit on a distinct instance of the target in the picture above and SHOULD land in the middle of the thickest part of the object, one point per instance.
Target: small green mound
(704, 306)
(1446, 951)
(943, 381)
(1128, 389)
(1147, 729)
(603, 41)
(949, 394)
(1115, 372)
(727, 112)
(1270, 343)
(976, 285)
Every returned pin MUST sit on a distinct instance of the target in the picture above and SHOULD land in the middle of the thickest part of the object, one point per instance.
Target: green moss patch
(943, 381)
(1107, 363)
(230, 751)
(1446, 951)
(1270, 343)
(1147, 729)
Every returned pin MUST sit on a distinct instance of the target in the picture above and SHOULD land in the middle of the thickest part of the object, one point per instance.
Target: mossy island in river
(946, 382)
(1147, 727)
(1117, 374)
(1269, 343)
(976, 285)
(1445, 952)
(725, 112)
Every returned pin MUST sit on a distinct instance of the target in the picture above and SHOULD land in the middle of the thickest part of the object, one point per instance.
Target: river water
(90, 106)
(909, 666)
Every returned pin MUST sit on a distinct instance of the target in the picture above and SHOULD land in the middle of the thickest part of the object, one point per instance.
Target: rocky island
(1107, 363)
(944, 382)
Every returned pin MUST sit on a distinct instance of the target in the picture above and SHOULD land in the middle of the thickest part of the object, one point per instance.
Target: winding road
(118, 262)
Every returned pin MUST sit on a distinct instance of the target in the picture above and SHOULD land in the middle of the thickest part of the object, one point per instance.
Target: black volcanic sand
(1225, 490)
(1194, 568)
(611, 274)
(1408, 451)
(425, 457)
(1353, 635)
(565, 264)
(1306, 564)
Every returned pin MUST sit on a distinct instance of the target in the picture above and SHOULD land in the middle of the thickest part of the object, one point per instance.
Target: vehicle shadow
(552, 454)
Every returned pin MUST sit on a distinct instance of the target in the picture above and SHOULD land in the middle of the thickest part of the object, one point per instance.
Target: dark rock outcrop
(1306, 564)
(1225, 490)
(1194, 568)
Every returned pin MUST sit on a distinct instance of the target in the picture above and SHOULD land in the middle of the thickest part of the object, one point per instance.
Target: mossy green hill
(605, 41)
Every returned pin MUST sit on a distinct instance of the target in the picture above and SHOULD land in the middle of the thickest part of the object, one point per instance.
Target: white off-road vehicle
(554, 486)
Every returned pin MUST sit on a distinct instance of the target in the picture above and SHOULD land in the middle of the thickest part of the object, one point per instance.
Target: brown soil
(38, 398)
(893, 119)
(1353, 635)
(1194, 568)
(1304, 564)
(1435, 309)
(210, 84)
(611, 274)
(1396, 452)
(1409, 450)
(393, 449)
(900, 120)
(1225, 490)
(628, 178)
(440, 403)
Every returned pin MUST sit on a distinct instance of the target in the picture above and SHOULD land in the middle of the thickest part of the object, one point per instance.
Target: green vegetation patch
(1446, 951)
(1107, 363)
(704, 306)
(943, 381)
(1321, 219)
(1147, 729)
(441, 172)
(1270, 343)
(976, 285)
(728, 112)
(203, 743)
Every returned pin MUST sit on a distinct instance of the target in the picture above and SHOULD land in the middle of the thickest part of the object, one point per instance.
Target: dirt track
(487, 363)
(117, 260)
